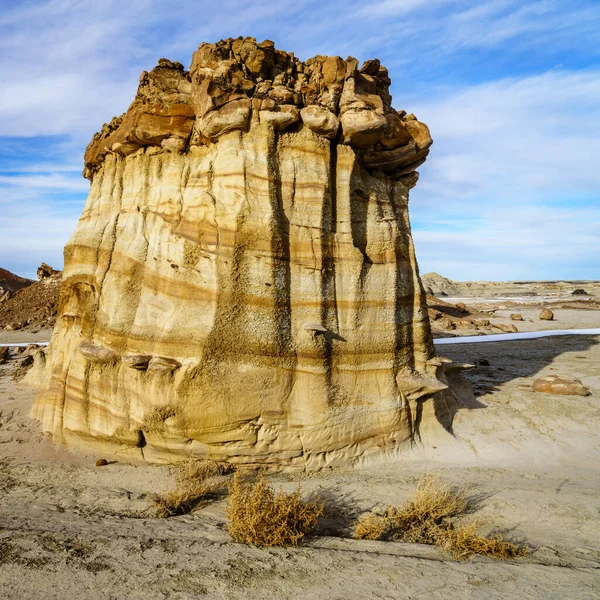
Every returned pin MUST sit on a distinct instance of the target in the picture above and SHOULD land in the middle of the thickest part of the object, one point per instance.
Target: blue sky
(510, 90)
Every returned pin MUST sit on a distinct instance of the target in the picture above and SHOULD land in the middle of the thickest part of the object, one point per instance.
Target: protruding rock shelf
(242, 283)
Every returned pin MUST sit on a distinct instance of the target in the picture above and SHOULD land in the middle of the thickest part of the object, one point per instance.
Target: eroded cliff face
(242, 283)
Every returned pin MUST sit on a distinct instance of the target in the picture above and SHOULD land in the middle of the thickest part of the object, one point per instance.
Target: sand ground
(71, 530)
(564, 318)
(25, 336)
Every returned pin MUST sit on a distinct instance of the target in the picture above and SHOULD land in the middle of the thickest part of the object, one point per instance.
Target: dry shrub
(262, 517)
(462, 541)
(371, 527)
(425, 519)
(196, 481)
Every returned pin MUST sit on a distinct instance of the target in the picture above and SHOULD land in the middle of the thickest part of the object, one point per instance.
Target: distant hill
(25, 303)
(9, 282)
(440, 286)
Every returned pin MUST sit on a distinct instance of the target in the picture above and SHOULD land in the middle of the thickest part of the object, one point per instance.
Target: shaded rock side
(254, 297)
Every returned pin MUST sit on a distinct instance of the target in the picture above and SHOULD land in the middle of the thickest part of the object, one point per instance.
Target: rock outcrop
(242, 283)
(44, 271)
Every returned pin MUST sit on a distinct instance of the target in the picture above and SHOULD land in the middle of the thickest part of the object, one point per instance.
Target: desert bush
(462, 541)
(371, 526)
(262, 517)
(195, 482)
(426, 519)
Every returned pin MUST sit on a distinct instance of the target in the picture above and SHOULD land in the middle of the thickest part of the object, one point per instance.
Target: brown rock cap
(236, 80)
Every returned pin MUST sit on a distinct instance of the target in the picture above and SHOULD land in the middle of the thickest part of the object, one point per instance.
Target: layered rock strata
(242, 283)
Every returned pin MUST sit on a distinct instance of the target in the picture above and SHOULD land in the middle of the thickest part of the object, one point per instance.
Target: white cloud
(45, 183)
(531, 243)
(515, 139)
(513, 166)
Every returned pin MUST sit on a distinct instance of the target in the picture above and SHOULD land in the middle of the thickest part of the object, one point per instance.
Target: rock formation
(242, 283)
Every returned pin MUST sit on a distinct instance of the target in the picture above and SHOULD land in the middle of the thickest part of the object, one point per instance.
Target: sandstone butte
(242, 283)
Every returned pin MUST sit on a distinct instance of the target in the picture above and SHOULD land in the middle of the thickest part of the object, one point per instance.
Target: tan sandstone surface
(69, 530)
(242, 283)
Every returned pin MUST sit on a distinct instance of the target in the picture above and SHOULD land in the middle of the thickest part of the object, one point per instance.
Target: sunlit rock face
(242, 283)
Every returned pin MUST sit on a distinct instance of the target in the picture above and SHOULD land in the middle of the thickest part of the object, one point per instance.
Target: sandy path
(25, 336)
(70, 530)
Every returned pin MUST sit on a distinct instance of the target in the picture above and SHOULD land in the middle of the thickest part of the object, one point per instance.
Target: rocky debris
(448, 317)
(227, 205)
(546, 315)
(516, 317)
(560, 384)
(512, 328)
(101, 462)
(4, 355)
(23, 366)
(33, 306)
(44, 271)
(446, 309)
(235, 81)
(446, 323)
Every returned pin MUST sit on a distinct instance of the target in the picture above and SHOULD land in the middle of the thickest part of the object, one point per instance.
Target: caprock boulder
(242, 283)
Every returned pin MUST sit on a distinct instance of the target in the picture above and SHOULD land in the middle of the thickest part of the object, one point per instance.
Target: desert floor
(71, 530)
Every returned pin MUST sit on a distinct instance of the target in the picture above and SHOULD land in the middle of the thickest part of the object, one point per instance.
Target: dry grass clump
(425, 519)
(462, 541)
(262, 517)
(196, 481)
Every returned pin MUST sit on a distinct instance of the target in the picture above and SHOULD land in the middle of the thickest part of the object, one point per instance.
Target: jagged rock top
(237, 82)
